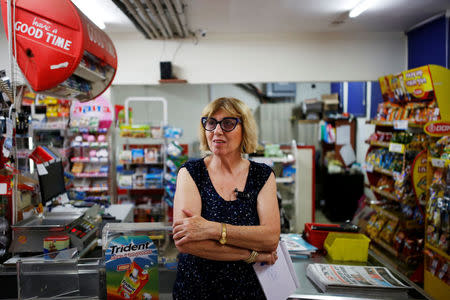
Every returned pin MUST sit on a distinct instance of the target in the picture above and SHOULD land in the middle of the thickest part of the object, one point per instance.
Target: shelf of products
(437, 211)
(91, 152)
(399, 171)
(282, 161)
(90, 167)
(146, 174)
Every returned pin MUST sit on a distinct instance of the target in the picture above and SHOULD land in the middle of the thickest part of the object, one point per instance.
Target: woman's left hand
(191, 228)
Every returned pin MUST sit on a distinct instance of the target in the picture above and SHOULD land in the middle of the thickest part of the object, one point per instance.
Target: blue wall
(428, 43)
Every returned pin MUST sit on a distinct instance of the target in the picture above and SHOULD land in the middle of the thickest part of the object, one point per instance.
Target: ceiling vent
(157, 19)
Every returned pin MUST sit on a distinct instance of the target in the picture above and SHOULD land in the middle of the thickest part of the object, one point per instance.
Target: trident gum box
(132, 268)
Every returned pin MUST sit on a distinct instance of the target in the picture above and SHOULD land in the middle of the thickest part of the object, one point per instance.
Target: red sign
(437, 128)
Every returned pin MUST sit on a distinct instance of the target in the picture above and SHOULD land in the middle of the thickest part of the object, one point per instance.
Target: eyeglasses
(227, 124)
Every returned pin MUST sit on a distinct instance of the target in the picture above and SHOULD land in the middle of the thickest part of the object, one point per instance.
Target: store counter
(308, 290)
(91, 275)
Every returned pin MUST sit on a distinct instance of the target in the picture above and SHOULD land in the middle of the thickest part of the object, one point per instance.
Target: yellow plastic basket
(347, 246)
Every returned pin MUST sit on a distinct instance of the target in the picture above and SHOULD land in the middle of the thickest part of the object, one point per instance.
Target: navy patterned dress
(199, 278)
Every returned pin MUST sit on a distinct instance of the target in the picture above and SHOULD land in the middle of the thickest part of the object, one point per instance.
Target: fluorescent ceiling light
(90, 12)
(360, 8)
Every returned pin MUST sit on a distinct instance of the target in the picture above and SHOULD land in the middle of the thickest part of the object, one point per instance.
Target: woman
(225, 210)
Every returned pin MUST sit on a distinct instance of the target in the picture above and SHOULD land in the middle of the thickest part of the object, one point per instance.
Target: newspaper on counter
(369, 280)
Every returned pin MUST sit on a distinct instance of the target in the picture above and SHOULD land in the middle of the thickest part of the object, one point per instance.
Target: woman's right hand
(267, 257)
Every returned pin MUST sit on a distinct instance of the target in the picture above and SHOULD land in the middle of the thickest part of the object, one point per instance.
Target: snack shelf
(91, 175)
(393, 261)
(406, 224)
(90, 189)
(378, 144)
(89, 145)
(97, 198)
(141, 189)
(438, 251)
(385, 246)
(384, 171)
(88, 74)
(391, 123)
(143, 163)
(88, 130)
(384, 193)
(89, 160)
(49, 126)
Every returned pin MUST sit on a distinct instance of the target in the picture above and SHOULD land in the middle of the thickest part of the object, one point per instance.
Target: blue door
(338, 87)
(376, 98)
(357, 99)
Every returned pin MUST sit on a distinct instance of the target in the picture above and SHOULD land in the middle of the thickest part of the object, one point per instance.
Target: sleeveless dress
(199, 278)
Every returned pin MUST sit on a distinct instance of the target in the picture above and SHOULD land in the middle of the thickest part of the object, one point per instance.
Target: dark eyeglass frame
(205, 119)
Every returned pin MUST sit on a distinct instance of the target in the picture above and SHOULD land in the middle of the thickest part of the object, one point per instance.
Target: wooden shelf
(172, 81)
(383, 193)
(438, 251)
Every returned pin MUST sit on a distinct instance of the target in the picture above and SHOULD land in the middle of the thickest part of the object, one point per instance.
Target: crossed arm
(195, 235)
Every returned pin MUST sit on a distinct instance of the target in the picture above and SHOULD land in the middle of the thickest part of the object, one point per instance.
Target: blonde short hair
(236, 108)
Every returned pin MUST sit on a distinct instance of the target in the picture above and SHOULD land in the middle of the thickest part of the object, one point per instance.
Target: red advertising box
(59, 50)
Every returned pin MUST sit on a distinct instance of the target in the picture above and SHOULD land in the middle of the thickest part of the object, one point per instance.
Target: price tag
(3, 189)
(438, 163)
(396, 147)
(401, 124)
(369, 168)
(41, 169)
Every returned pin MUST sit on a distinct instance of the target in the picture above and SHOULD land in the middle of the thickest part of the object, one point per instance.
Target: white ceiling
(289, 16)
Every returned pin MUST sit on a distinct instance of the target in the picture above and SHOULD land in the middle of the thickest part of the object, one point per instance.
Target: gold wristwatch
(223, 238)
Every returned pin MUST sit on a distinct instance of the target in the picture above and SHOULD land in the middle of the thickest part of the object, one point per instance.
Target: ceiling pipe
(147, 18)
(136, 16)
(156, 18)
(173, 15)
(162, 15)
(180, 11)
(123, 8)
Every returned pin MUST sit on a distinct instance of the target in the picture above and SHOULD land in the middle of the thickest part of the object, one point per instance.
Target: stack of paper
(279, 280)
(296, 245)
